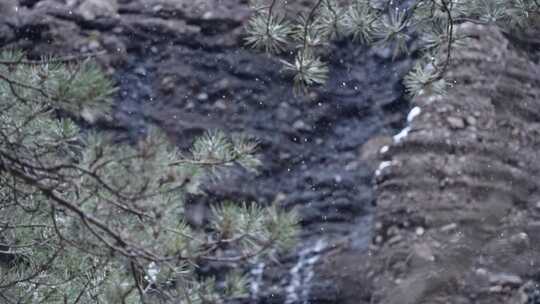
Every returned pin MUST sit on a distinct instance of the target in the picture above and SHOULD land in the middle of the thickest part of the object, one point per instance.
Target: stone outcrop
(458, 204)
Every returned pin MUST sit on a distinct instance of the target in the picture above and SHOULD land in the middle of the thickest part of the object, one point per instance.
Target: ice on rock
(413, 113)
(382, 165)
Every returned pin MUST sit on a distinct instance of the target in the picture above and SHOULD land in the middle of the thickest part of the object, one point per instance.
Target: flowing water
(301, 275)
(310, 145)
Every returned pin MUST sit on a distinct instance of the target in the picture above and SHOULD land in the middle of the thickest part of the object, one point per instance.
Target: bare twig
(65, 59)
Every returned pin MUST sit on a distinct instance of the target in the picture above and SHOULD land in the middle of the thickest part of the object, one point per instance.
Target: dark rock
(93, 9)
(455, 122)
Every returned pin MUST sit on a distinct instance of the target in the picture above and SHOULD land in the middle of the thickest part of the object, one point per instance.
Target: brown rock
(504, 279)
(370, 151)
(470, 188)
(92, 9)
(455, 122)
(424, 252)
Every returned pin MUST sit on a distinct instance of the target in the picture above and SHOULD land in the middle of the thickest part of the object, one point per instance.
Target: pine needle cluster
(367, 22)
(87, 220)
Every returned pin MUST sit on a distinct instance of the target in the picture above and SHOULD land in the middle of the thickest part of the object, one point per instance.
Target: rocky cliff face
(458, 198)
(456, 214)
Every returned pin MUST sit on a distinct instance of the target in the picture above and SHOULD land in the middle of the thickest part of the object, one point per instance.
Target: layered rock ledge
(458, 198)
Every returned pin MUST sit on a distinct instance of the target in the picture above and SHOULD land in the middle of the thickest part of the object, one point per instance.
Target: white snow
(382, 165)
(153, 270)
(302, 273)
(401, 135)
(413, 113)
(410, 117)
(255, 284)
(384, 149)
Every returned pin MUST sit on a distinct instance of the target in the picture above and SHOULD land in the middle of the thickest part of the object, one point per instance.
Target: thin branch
(269, 18)
(65, 59)
(136, 279)
(36, 273)
(450, 30)
(308, 22)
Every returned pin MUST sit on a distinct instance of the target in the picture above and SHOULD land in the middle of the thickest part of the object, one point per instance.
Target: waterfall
(302, 273)
(257, 279)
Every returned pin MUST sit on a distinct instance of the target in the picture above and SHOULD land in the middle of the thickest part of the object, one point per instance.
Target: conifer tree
(84, 219)
(390, 22)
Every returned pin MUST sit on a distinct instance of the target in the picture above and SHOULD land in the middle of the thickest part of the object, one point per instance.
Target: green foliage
(435, 21)
(424, 77)
(361, 22)
(241, 223)
(268, 32)
(83, 219)
(308, 70)
(77, 88)
(393, 29)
